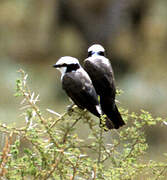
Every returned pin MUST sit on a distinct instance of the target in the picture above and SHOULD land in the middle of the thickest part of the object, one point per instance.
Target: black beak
(59, 65)
(56, 66)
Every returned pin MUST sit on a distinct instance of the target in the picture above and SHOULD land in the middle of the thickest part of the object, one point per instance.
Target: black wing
(102, 76)
(80, 89)
(103, 80)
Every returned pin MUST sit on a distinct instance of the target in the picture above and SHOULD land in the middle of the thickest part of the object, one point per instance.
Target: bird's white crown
(96, 48)
(67, 60)
(63, 62)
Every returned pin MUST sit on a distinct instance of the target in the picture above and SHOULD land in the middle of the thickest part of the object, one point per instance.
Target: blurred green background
(34, 34)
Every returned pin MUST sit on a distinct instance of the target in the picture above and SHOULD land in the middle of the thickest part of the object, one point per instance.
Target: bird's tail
(110, 109)
(115, 119)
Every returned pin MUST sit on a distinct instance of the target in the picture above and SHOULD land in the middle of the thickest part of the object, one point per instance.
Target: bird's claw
(70, 108)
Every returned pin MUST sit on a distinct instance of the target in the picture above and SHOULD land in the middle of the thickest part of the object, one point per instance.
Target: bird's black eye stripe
(89, 53)
(64, 65)
(101, 53)
(60, 65)
(72, 67)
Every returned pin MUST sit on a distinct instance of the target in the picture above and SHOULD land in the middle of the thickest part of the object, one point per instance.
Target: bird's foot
(70, 108)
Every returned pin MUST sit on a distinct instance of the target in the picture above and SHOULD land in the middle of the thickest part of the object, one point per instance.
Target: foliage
(54, 149)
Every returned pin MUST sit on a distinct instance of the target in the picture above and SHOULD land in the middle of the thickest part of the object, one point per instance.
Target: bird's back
(79, 88)
(101, 73)
(102, 77)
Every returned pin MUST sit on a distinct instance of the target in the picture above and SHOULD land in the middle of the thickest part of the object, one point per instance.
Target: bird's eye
(101, 53)
(64, 65)
(89, 53)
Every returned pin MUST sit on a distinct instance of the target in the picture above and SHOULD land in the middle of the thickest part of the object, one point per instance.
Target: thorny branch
(54, 166)
(161, 172)
(69, 128)
(29, 99)
(52, 151)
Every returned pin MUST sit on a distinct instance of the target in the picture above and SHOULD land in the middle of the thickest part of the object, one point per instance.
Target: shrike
(78, 86)
(100, 71)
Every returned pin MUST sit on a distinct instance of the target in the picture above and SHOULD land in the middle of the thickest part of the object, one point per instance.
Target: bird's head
(96, 50)
(67, 64)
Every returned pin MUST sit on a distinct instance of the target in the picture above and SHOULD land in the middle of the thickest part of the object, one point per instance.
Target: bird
(101, 73)
(78, 85)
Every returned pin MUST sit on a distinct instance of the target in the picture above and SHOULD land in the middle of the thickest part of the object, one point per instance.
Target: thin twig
(75, 167)
(100, 145)
(59, 119)
(49, 174)
(162, 171)
(94, 173)
(68, 130)
(28, 98)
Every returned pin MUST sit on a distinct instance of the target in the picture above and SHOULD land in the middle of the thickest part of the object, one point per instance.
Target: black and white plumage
(78, 85)
(100, 71)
